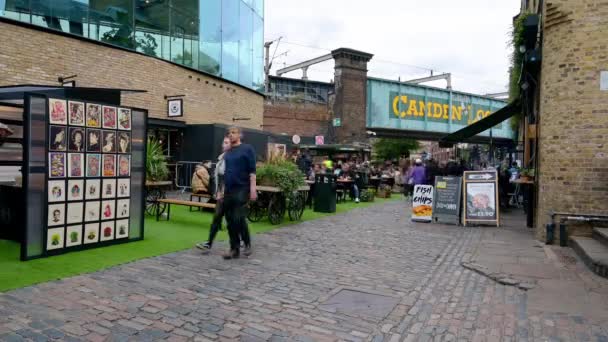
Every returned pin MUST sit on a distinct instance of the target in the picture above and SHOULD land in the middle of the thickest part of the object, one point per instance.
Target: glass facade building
(224, 38)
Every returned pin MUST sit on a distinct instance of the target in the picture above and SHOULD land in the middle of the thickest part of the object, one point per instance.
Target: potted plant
(384, 191)
(527, 174)
(368, 195)
(281, 173)
(156, 164)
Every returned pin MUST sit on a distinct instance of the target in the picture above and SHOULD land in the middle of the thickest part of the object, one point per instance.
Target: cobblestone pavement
(284, 292)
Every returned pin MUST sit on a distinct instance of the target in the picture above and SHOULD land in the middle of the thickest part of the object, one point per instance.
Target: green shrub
(156, 164)
(281, 173)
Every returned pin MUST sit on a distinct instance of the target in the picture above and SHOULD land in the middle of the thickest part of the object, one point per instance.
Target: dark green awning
(482, 125)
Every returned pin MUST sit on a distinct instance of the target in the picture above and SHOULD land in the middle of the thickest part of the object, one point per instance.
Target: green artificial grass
(183, 230)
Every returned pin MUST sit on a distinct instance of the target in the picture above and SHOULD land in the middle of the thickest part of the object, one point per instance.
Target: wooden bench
(191, 204)
(199, 197)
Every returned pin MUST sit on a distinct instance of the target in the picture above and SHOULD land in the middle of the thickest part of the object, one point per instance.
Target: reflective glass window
(246, 45)
(114, 21)
(210, 45)
(184, 29)
(230, 39)
(151, 28)
(258, 53)
(258, 7)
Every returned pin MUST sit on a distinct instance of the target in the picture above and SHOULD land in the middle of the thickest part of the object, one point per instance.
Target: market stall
(82, 168)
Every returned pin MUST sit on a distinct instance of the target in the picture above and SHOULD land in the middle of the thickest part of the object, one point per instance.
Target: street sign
(481, 197)
(446, 204)
(319, 140)
(337, 122)
(296, 139)
(422, 203)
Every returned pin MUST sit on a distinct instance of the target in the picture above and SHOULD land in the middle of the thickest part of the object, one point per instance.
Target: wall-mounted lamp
(64, 81)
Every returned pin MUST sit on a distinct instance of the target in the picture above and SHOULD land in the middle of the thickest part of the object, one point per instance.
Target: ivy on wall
(517, 57)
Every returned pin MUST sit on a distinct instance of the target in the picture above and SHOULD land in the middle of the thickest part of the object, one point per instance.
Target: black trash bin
(325, 193)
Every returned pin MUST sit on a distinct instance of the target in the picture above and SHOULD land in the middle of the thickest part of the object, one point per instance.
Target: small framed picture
(54, 238)
(75, 164)
(109, 165)
(122, 208)
(76, 142)
(57, 165)
(56, 189)
(108, 189)
(108, 141)
(124, 166)
(58, 113)
(56, 214)
(109, 117)
(122, 229)
(91, 211)
(93, 189)
(124, 119)
(91, 233)
(73, 236)
(75, 212)
(175, 107)
(93, 115)
(94, 165)
(108, 210)
(57, 138)
(75, 190)
(124, 142)
(93, 140)
(76, 113)
(123, 187)
(107, 231)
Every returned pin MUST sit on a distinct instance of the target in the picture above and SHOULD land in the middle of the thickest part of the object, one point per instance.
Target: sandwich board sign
(422, 203)
(481, 197)
(446, 200)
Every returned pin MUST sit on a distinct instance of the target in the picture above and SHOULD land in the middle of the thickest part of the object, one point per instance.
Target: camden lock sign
(417, 107)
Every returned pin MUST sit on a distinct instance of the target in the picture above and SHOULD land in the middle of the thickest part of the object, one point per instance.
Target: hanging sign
(319, 140)
(446, 204)
(337, 122)
(481, 197)
(422, 203)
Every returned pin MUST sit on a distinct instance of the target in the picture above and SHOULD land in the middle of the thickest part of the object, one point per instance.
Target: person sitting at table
(349, 174)
(200, 179)
(314, 171)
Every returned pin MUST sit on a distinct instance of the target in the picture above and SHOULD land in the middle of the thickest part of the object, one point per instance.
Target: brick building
(567, 123)
(158, 48)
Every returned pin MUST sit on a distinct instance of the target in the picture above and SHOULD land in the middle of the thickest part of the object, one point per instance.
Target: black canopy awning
(484, 124)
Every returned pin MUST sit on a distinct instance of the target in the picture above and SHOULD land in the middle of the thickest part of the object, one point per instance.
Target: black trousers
(235, 204)
(216, 224)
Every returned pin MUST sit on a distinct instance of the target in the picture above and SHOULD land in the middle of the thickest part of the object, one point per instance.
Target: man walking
(240, 187)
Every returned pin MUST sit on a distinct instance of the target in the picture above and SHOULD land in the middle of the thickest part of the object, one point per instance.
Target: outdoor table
(374, 182)
(273, 202)
(154, 192)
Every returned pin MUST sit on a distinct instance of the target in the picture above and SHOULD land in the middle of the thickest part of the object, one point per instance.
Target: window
(210, 45)
(230, 40)
(246, 45)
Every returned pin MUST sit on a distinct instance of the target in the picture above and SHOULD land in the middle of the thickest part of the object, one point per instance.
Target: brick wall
(304, 119)
(573, 141)
(33, 56)
(350, 102)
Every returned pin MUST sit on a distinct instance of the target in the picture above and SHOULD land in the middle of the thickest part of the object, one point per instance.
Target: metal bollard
(563, 235)
(550, 233)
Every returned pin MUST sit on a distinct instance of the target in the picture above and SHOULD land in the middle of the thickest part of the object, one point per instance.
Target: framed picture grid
(88, 181)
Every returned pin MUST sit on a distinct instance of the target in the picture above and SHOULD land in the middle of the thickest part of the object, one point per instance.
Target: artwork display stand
(83, 169)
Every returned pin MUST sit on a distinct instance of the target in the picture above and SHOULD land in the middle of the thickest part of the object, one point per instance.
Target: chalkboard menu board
(481, 197)
(446, 206)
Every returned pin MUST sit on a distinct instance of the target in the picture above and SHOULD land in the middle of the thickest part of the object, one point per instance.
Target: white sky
(468, 38)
